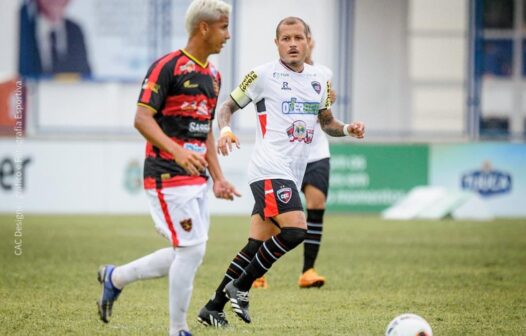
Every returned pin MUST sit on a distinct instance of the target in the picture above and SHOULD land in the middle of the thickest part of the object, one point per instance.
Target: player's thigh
(314, 197)
(180, 214)
(261, 229)
(315, 184)
(291, 219)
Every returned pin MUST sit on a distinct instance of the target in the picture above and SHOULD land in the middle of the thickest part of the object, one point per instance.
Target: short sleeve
(156, 84)
(248, 90)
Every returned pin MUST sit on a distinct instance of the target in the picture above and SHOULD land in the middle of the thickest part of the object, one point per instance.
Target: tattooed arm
(225, 113)
(336, 128)
(227, 137)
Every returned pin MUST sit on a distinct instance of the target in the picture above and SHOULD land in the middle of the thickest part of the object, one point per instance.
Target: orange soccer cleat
(260, 283)
(310, 278)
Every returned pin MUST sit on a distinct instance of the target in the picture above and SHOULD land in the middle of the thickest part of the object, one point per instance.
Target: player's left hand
(357, 129)
(226, 139)
(224, 190)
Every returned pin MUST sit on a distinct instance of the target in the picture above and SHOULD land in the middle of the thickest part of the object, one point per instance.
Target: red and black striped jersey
(183, 93)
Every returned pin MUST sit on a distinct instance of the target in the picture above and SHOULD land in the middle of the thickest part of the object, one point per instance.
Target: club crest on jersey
(187, 67)
(186, 224)
(284, 194)
(316, 86)
(298, 132)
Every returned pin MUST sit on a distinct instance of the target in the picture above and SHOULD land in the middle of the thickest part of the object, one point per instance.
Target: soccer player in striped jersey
(174, 114)
(290, 97)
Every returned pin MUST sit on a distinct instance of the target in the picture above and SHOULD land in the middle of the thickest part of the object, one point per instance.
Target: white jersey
(287, 105)
(320, 144)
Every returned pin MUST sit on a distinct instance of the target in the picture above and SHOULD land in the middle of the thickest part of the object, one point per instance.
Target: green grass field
(465, 278)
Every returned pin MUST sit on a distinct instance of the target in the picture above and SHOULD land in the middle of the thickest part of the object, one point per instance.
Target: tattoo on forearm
(329, 124)
(225, 113)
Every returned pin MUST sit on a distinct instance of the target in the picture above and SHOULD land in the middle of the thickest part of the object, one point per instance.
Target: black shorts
(274, 197)
(317, 175)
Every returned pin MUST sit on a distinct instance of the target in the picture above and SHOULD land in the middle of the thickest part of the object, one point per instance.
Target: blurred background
(440, 85)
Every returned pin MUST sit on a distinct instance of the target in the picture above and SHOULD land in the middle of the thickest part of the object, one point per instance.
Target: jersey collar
(289, 68)
(195, 59)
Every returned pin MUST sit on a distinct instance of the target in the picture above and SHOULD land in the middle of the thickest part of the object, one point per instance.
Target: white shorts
(181, 213)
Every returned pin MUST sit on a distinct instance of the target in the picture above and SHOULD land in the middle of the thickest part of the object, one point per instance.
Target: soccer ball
(408, 325)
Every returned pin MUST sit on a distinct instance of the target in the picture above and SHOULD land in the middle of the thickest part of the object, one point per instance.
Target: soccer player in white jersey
(290, 97)
(176, 119)
(315, 187)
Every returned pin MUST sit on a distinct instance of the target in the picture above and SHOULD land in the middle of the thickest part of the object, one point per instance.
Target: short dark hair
(293, 20)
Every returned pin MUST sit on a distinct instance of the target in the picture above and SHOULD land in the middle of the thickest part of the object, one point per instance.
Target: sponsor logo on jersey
(284, 194)
(328, 101)
(278, 75)
(189, 85)
(189, 106)
(285, 86)
(297, 107)
(487, 181)
(186, 224)
(150, 86)
(187, 67)
(316, 86)
(196, 127)
(202, 108)
(249, 79)
(198, 148)
(298, 132)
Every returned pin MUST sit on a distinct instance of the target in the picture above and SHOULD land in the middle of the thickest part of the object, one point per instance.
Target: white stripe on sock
(233, 263)
(277, 244)
(243, 257)
(269, 252)
(266, 269)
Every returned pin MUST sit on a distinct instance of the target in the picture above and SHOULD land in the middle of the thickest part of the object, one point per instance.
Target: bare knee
(315, 198)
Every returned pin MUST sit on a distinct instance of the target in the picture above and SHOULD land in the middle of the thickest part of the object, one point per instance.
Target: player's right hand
(192, 162)
(225, 141)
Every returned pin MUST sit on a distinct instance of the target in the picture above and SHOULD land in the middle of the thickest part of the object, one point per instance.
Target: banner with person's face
(97, 39)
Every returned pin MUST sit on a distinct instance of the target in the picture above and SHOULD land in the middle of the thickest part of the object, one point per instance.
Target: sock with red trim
(269, 252)
(236, 268)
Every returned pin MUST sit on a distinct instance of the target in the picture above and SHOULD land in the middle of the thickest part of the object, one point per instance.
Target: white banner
(93, 177)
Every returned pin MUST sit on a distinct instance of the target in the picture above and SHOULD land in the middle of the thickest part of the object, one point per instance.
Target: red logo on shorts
(186, 224)
(284, 195)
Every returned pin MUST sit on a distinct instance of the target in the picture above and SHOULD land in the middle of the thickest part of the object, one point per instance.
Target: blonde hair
(205, 10)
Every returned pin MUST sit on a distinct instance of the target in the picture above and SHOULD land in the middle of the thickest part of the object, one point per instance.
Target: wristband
(225, 130)
(346, 130)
